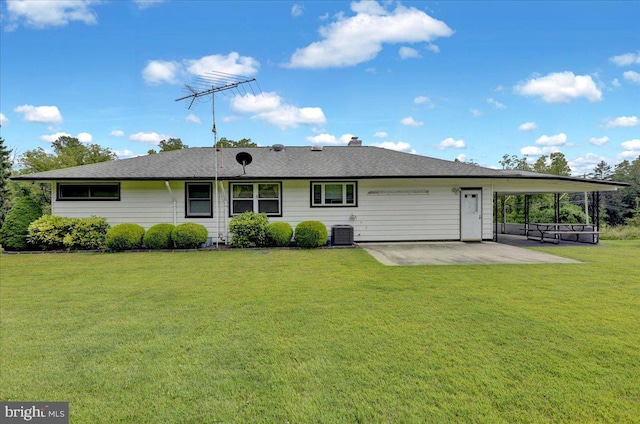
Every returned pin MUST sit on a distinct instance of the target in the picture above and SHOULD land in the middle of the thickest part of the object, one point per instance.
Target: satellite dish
(244, 159)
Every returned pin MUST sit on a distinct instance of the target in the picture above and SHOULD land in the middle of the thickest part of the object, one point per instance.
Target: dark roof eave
(544, 177)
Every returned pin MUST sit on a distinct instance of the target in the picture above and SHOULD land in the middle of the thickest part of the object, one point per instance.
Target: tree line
(617, 208)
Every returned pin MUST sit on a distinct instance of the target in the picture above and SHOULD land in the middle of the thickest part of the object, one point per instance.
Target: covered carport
(527, 184)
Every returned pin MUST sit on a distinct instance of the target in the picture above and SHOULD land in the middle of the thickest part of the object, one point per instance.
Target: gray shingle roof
(290, 163)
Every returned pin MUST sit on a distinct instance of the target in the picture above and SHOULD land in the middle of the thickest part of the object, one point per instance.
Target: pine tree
(5, 173)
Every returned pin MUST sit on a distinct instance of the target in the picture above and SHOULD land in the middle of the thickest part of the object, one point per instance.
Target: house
(384, 195)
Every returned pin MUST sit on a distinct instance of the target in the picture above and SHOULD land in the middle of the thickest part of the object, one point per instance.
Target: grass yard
(323, 336)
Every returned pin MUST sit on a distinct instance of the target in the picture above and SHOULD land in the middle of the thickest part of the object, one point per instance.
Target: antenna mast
(209, 84)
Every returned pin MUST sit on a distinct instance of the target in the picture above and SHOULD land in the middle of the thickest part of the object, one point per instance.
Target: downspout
(175, 210)
(224, 212)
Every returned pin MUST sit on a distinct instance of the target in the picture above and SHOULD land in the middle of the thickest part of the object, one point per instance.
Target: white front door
(471, 215)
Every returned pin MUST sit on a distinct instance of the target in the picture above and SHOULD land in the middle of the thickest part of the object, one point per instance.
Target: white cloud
(585, 164)
(123, 154)
(161, 71)
(615, 82)
(399, 146)
(599, 141)
(623, 121)
(297, 10)
(349, 41)
(117, 133)
(408, 53)
(40, 114)
(410, 122)
(232, 63)
(381, 134)
(528, 126)
(148, 137)
(193, 118)
(476, 113)
(270, 107)
(537, 151)
(626, 59)
(43, 14)
(461, 157)
(330, 139)
(628, 154)
(631, 144)
(496, 103)
(452, 143)
(632, 76)
(82, 137)
(145, 4)
(552, 140)
(4, 121)
(424, 100)
(531, 151)
(560, 87)
(433, 48)
(85, 137)
(50, 138)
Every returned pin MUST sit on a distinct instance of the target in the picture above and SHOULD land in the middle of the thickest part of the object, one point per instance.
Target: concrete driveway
(457, 253)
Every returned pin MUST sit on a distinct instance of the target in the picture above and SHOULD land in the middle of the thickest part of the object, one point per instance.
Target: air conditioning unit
(342, 235)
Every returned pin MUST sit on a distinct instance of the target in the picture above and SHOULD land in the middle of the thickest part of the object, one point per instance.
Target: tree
(623, 203)
(5, 172)
(603, 171)
(68, 152)
(245, 142)
(514, 162)
(557, 165)
(169, 145)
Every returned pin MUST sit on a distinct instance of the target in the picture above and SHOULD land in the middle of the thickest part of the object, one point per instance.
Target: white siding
(399, 211)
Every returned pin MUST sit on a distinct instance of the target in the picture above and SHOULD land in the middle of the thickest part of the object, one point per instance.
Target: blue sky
(468, 80)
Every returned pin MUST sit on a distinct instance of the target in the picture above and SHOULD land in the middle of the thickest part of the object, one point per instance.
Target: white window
(256, 197)
(334, 194)
(198, 200)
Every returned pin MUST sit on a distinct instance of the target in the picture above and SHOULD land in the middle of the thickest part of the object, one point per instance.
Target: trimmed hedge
(311, 234)
(279, 234)
(125, 237)
(249, 229)
(56, 232)
(159, 236)
(14, 231)
(87, 233)
(48, 232)
(189, 235)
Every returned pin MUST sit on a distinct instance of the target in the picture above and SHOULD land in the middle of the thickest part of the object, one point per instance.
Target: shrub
(279, 234)
(87, 233)
(310, 234)
(159, 236)
(189, 235)
(249, 229)
(48, 231)
(14, 231)
(621, 232)
(57, 232)
(124, 237)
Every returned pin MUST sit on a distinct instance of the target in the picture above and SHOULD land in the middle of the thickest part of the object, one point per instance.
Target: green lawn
(323, 336)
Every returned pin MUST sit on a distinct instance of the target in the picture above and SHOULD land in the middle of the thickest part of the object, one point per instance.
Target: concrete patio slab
(456, 253)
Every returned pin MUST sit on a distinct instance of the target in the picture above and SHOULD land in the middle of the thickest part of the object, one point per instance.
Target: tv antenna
(208, 85)
(215, 82)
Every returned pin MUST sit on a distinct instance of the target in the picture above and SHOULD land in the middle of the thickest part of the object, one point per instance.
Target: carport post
(495, 216)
